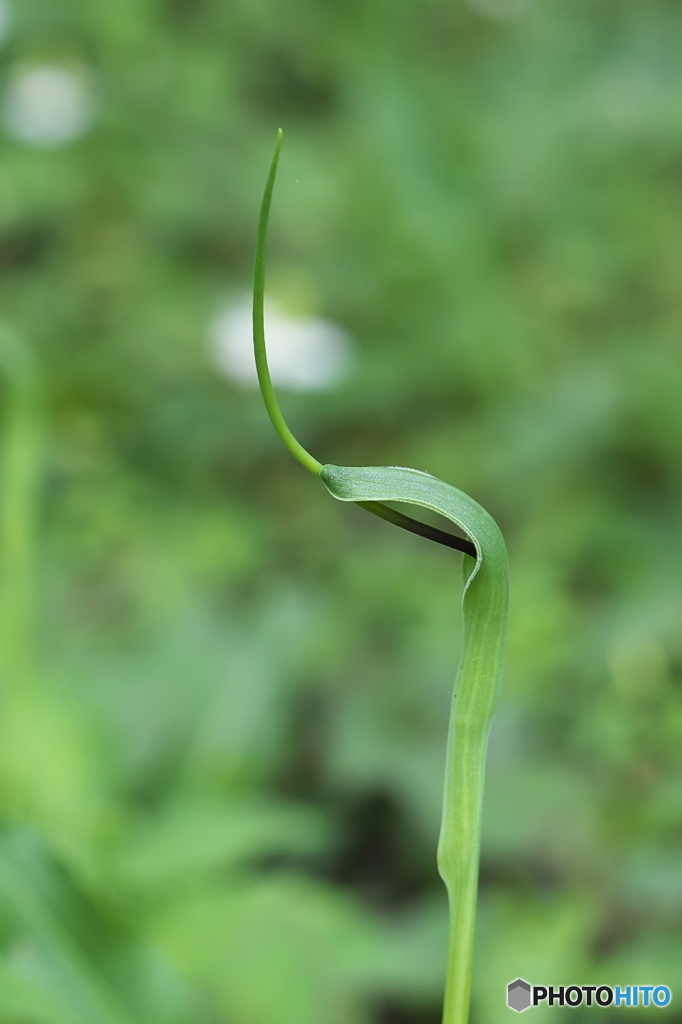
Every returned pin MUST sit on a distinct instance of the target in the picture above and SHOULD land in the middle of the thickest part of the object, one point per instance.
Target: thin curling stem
(268, 392)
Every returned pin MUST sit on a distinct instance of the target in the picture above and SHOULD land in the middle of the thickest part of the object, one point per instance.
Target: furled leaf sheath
(484, 607)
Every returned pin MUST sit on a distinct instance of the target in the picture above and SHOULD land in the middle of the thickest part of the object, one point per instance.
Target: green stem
(264, 379)
(458, 862)
(473, 704)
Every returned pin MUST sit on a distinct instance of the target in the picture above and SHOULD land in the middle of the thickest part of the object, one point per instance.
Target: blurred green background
(224, 695)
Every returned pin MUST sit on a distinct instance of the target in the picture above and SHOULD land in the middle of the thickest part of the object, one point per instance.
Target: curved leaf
(484, 607)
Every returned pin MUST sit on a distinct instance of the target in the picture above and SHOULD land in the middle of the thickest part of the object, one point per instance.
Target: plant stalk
(459, 862)
(473, 703)
(477, 685)
(484, 607)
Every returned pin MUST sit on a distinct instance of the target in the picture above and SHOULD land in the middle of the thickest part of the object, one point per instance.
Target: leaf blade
(477, 685)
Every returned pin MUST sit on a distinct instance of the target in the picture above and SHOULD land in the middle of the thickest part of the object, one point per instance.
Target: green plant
(484, 609)
(20, 466)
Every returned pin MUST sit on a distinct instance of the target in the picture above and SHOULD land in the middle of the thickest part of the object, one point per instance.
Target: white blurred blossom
(502, 10)
(304, 353)
(48, 104)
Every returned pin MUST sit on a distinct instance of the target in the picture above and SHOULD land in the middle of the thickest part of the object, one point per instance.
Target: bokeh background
(225, 695)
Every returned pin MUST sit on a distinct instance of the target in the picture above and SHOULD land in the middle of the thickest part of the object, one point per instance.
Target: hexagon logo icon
(518, 995)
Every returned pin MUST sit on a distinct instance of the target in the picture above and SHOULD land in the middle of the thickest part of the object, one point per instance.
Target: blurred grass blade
(81, 984)
(20, 467)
